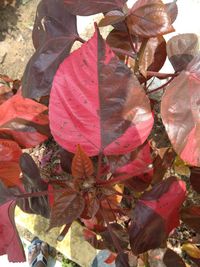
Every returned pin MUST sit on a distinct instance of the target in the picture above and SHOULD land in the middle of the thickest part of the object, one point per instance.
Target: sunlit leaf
(24, 121)
(192, 250)
(10, 242)
(101, 112)
(181, 49)
(180, 113)
(149, 18)
(82, 166)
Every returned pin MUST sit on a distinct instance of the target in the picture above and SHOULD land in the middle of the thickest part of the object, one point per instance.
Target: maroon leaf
(90, 7)
(165, 257)
(66, 160)
(67, 207)
(181, 49)
(180, 113)
(172, 259)
(24, 121)
(53, 36)
(112, 17)
(155, 51)
(5, 194)
(10, 242)
(33, 183)
(149, 18)
(156, 214)
(172, 10)
(123, 259)
(195, 179)
(115, 104)
(191, 216)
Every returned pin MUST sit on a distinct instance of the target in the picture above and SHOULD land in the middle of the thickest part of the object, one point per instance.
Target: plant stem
(119, 179)
(81, 40)
(160, 87)
(140, 55)
(99, 166)
(161, 75)
(124, 52)
(130, 38)
(39, 194)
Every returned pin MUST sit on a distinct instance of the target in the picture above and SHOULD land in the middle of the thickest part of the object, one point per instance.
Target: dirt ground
(16, 22)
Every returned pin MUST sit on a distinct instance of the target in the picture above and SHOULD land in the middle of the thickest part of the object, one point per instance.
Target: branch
(160, 87)
(162, 75)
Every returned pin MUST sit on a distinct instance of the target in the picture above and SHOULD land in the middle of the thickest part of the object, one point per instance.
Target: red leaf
(10, 242)
(90, 7)
(9, 150)
(180, 113)
(9, 173)
(67, 207)
(140, 165)
(181, 49)
(156, 214)
(107, 113)
(111, 258)
(149, 18)
(24, 121)
(82, 166)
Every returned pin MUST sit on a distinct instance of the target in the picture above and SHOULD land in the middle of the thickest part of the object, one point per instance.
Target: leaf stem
(124, 52)
(130, 38)
(162, 75)
(39, 194)
(81, 40)
(99, 166)
(160, 87)
(140, 54)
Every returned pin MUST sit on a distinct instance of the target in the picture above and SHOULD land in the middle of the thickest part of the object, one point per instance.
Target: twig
(160, 87)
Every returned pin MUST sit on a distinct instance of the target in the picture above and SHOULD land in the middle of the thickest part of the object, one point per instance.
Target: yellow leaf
(82, 165)
(192, 250)
(180, 167)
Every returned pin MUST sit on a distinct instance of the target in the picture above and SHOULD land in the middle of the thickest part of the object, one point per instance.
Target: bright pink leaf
(97, 102)
(156, 214)
(180, 113)
(24, 121)
(141, 164)
(10, 242)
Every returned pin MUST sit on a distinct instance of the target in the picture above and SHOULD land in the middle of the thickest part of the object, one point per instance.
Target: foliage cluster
(118, 183)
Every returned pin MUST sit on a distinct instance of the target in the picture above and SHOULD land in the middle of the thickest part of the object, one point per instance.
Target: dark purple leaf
(53, 36)
(66, 160)
(5, 194)
(195, 179)
(33, 183)
(123, 260)
(191, 216)
(181, 49)
(67, 207)
(90, 7)
(156, 214)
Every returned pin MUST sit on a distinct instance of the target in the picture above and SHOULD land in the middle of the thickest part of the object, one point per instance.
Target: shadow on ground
(8, 16)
